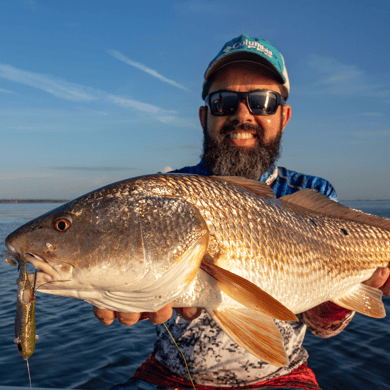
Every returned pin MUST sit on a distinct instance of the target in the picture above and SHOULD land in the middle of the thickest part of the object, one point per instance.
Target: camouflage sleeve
(328, 319)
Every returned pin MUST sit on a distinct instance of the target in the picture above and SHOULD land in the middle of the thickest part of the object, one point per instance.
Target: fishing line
(29, 376)
(182, 354)
(28, 366)
(35, 280)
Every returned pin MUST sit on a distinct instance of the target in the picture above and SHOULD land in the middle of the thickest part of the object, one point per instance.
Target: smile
(241, 135)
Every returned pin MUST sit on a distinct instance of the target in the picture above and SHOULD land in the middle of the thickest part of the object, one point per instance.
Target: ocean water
(76, 351)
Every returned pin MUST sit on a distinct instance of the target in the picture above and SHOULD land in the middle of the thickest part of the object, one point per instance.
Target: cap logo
(250, 45)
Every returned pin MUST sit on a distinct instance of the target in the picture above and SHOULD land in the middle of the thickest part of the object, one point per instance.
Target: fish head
(113, 238)
(90, 235)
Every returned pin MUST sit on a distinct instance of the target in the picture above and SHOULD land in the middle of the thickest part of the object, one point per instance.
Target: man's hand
(108, 316)
(380, 279)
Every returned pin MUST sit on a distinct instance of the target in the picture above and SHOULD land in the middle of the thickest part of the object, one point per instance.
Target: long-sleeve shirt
(213, 358)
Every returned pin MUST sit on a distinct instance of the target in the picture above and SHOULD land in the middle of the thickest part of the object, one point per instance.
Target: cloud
(6, 91)
(173, 120)
(338, 78)
(75, 92)
(145, 69)
(24, 175)
(55, 86)
(133, 103)
(93, 169)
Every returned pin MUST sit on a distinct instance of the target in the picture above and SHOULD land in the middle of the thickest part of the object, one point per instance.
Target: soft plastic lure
(25, 336)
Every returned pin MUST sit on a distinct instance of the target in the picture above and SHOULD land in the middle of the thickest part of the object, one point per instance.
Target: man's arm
(328, 319)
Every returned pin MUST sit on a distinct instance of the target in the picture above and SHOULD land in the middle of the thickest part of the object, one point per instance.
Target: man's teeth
(241, 135)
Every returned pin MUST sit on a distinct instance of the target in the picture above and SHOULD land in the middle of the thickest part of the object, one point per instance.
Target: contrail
(144, 68)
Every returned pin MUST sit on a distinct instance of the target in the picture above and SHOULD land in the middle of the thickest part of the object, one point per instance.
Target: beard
(222, 158)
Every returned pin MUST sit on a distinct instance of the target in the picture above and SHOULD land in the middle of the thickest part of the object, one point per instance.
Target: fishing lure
(25, 336)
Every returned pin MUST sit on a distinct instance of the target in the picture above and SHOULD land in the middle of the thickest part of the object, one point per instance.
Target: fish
(25, 336)
(226, 244)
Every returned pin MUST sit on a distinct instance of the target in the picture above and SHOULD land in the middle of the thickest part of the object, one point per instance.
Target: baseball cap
(247, 49)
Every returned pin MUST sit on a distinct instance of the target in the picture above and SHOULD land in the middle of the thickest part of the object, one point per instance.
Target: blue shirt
(282, 180)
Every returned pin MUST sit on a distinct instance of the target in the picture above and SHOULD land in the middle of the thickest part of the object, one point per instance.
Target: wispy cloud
(50, 84)
(2, 90)
(337, 78)
(145, 69)
(75, 92)
(23, 175)
(133, 103)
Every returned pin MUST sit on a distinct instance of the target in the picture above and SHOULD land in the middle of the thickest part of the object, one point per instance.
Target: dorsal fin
(313, 200)
(257, 188)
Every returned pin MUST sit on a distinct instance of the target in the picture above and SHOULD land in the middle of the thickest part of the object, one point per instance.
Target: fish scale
(225, 244)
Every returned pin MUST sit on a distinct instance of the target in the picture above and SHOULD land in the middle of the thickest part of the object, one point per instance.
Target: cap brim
(242, 57)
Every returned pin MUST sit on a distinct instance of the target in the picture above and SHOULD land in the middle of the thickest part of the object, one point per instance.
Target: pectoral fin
(247, 293)
(363, 299)
(254, 331)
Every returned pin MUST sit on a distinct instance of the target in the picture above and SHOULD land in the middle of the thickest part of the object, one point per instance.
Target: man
(245, 90)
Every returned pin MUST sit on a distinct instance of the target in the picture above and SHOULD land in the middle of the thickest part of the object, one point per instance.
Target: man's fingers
(164, 314)
(108, 316)
(104, 315)
(386, 288)
(189, 313)
(380, 280)
(127, 319)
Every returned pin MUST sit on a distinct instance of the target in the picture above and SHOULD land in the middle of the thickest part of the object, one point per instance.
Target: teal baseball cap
(247, 49)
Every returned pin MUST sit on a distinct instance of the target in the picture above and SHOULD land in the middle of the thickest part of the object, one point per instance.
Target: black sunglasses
(260, 102)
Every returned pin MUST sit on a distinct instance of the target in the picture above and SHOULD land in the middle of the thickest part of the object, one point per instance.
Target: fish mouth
(46, 272)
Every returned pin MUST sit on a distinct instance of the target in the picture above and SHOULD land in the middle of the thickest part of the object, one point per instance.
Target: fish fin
(363, 299)
(256, 187)
(247, 293)
(313, 200)
(254, 331)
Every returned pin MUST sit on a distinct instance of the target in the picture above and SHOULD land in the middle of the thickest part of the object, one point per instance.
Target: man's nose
(242, 113)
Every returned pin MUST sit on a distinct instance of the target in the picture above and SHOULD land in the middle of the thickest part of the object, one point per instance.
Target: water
(76, 351)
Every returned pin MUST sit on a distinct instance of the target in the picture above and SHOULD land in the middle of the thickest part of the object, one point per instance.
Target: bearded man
(245, 113)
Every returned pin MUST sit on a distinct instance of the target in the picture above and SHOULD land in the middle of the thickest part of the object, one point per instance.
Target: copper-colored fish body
(138, 244)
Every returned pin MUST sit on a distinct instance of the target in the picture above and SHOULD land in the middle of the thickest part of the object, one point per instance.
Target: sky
(92, 92)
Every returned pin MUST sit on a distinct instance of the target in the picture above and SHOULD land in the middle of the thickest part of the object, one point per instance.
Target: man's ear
(202, 115)
(286, 115)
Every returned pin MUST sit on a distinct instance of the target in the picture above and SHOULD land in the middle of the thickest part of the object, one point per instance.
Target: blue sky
(97, 91)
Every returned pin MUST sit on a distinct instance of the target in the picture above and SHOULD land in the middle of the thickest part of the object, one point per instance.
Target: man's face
(242, 143)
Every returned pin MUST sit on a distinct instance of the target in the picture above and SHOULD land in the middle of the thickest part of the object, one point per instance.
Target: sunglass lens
(263, 103)
(223, 103)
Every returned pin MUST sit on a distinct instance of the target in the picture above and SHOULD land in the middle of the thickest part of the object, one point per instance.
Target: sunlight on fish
(222, 243)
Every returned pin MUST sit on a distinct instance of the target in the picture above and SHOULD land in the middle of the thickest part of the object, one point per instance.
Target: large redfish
(222, 243)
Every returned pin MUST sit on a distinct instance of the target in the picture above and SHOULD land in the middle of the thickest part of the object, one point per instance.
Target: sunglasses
(261, 102)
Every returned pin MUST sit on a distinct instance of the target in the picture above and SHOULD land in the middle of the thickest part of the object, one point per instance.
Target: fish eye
(62, 224)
